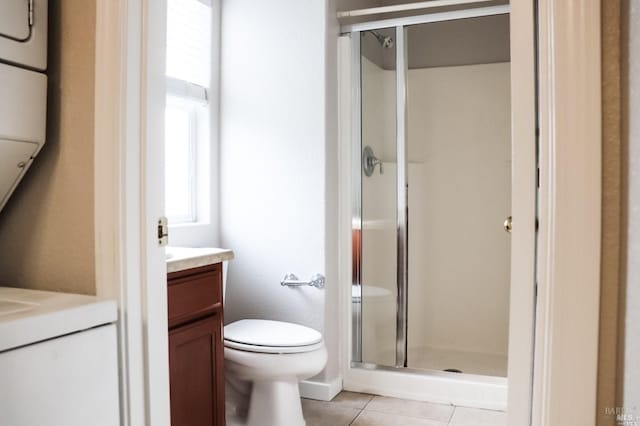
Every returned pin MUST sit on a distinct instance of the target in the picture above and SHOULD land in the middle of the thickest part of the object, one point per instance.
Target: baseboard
(323, 391)
(465, 390)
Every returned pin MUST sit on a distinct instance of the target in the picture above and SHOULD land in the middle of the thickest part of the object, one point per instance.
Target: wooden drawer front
(191, 297)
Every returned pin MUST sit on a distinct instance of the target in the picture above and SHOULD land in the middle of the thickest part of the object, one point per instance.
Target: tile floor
(358, 409)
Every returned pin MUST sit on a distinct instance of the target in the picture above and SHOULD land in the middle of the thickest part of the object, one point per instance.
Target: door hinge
(163, 232)
(31, 13)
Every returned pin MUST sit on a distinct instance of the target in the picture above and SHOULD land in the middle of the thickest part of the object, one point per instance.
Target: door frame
(129, 198)
(560, 369)
(569, 211)
(459, 389)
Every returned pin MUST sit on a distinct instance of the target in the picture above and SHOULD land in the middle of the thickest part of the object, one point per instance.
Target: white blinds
(189, 41)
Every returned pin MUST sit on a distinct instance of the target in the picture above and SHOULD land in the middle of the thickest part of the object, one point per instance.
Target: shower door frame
(399, 25)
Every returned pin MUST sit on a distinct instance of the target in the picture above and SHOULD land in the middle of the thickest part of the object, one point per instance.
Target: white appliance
(23, 88)
(58, 359)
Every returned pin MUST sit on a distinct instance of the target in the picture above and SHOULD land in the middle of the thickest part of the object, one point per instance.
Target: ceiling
(482, 40)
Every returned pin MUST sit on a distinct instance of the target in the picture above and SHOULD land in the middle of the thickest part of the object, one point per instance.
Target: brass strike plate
(163, 232)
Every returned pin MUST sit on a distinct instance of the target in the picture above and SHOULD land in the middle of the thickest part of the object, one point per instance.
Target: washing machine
(58, 359)
(23, 33)
(23, 88)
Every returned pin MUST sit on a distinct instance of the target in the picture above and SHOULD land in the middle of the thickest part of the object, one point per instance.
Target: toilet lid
(270, 333)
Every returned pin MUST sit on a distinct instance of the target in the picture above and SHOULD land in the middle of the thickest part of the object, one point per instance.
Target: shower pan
(430, 191)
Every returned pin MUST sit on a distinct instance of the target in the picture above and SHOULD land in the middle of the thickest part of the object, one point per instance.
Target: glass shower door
(377, 292)
(459, 175)
(432, 187)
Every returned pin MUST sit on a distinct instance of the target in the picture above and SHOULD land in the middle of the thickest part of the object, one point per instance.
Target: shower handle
(370, 161)
(375, 162)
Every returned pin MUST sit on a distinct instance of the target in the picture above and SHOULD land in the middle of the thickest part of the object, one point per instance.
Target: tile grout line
(455, 407)
(409, 416)
(356, 416)
(368, 402)
(448, 421)
(360, 411)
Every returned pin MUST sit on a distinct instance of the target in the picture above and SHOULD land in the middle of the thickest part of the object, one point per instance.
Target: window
(180, 152)
(187, 114)
(189, 41)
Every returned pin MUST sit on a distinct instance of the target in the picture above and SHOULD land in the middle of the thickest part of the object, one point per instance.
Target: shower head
(385, 41)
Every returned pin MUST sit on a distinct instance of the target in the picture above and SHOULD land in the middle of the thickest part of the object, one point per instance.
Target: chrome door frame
(354, 31)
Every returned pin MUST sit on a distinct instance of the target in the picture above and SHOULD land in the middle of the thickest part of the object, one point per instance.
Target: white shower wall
(459, 177)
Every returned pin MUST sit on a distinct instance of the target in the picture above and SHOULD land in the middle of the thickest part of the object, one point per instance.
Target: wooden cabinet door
(196, 356)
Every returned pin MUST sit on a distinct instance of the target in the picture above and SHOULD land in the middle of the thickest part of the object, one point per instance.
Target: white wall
(275, 138)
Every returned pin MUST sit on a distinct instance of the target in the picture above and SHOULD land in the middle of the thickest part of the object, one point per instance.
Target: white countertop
(181, 258)
(29, 316)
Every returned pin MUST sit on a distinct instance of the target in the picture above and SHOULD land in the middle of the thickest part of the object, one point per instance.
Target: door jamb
(561, 371)
(129, 265)
(567, 312)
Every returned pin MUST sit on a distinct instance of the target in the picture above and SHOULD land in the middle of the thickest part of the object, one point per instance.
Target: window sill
(194, 234)
(188, 225)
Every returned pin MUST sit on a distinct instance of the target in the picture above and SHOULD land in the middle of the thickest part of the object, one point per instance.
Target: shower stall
(430, 135)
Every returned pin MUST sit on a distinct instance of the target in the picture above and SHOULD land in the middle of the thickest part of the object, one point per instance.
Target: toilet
(264, 362)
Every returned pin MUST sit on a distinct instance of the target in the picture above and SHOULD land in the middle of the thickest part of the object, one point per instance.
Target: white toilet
(264, 362)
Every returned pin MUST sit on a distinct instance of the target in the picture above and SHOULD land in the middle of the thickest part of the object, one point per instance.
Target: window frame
(204, 232)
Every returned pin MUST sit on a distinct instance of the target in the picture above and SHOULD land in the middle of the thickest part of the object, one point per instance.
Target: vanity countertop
(181, 258)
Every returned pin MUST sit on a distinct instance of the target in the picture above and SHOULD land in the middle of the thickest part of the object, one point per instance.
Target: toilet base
(264, 403)
(262, 388)
(275, 404)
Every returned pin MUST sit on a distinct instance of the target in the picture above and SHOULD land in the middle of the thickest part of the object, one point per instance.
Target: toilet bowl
(264, 362)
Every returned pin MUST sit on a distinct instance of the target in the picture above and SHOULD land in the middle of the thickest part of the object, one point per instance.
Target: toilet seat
(271, 337)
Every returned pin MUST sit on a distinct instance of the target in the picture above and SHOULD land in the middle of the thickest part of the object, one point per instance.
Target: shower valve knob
(370, 161)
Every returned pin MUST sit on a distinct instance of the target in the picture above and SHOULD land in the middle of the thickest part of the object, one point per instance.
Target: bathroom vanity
(196, 348)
